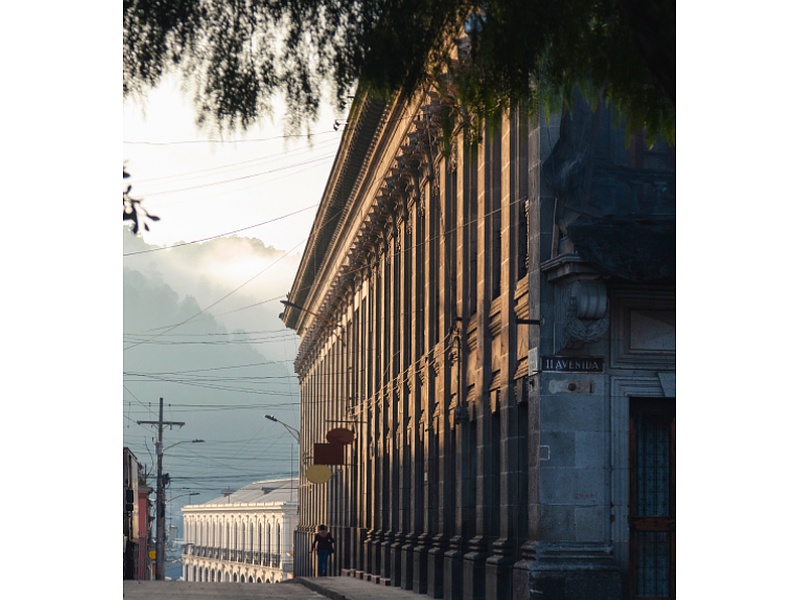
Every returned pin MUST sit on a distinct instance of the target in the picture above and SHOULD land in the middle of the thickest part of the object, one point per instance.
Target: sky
(202, 290)
(203, 184)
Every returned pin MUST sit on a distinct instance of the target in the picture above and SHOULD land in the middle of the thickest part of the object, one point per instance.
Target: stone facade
(450, 318)
(245, 536)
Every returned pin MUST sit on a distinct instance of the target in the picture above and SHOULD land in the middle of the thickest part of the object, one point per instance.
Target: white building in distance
(242, 536)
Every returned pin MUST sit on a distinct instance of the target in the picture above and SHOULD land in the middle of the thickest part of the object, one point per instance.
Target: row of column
(430, 374)
(251, 535)
(194, 570)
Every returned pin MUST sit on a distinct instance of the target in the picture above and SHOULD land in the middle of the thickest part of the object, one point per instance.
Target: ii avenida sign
(575, 364)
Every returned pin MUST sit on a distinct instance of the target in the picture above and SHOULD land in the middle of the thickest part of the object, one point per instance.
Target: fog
(201, 330)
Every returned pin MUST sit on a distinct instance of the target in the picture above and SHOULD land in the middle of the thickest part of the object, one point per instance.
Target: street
(177, 590)
(308, 588)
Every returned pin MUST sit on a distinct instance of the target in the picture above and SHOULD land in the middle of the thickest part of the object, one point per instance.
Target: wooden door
(652, 501)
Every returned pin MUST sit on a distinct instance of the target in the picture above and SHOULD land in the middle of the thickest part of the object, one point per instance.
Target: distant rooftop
(271, 491)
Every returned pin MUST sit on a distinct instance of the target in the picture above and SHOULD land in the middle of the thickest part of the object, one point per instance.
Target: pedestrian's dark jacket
(323, 542)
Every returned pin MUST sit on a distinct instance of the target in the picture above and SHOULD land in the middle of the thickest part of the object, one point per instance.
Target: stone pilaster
(454, 569)
(370, 553)
(407, 561)
(475, 569)
(396, 559)
(376, 551)
(421, 563)
(499, 570)
(386, 554)
(439, 545)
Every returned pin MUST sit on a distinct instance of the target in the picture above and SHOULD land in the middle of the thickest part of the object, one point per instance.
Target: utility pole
(161, 504)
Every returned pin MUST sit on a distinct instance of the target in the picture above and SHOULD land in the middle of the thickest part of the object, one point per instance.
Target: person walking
(323, 544)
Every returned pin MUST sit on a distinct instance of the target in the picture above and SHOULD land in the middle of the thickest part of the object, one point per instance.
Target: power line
(226, 342)
(232, 166)
(201, 311)
(206, 369)
(210, 141)
(243, 177)
(220, 334)
(214, 237)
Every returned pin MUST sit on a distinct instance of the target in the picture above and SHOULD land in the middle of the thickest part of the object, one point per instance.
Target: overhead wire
(234, 166)
(170, 328)
(167, 329)
(203, 310)
(234, 340)
(241, 178)
(223, 368)
(220, 235)
(405, 115)
(215, 141)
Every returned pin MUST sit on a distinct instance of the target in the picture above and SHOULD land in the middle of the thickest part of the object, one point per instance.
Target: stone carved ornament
(587, 315)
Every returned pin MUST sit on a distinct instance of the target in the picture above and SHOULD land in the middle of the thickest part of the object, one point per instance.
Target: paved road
(191, 590)
(302, 588)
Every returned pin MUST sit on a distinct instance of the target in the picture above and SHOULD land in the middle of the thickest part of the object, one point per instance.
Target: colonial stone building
(244, 536)
(496, 325)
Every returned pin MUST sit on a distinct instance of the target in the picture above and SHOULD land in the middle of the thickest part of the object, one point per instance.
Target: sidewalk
(352, 588)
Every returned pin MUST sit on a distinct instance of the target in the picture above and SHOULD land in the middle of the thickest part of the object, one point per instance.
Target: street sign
(340, 435)
(318, 473)
(328, 454)
(572, 364)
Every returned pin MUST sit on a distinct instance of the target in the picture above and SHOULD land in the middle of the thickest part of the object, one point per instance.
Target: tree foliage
(238, 55)
(132, 209)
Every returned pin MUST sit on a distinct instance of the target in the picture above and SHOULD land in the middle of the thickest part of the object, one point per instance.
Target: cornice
(381, 213)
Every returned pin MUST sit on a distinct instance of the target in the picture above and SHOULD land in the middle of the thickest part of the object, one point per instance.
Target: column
(498, 569)
(480, 414)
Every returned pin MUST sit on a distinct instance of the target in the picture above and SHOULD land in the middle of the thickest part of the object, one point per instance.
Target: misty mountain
(201, 330)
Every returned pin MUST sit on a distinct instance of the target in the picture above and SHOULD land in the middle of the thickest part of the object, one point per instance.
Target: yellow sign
(152, 554)
(318, 473)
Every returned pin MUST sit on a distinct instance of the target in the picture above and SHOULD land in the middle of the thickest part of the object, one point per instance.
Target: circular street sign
(318, 473)
(340, 435)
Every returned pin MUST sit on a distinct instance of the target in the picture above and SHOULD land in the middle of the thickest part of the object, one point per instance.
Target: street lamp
(182, 495)
(173, 498)
(161, 507)
(295, 433)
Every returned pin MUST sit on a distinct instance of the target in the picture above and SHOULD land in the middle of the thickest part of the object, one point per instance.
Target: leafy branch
(132, 209)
